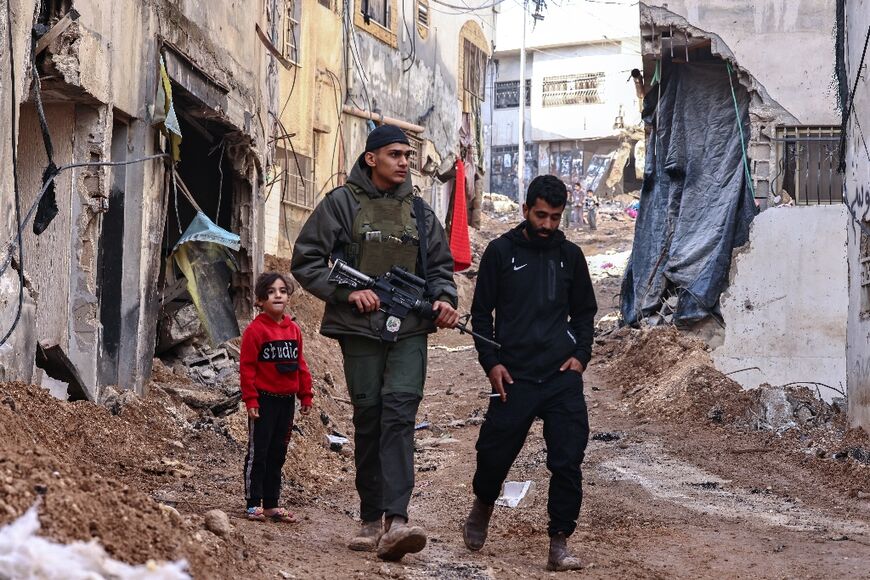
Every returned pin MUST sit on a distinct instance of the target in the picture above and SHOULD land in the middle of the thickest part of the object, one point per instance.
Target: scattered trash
(23, 554)
(840, 538)
(336, 442)
(516, 494)
(606, 436)
(707, 485)
(421, 426)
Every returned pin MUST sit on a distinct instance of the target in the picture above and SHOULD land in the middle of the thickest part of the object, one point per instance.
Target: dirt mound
(665, 372)
(87, 467)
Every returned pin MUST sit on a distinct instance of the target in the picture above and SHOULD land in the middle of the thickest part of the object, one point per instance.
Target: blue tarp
(696, 204)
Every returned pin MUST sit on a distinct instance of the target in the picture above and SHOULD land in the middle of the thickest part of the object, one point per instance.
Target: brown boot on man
(560, 559)
(476, 525)
(367, 538)
(400, 539)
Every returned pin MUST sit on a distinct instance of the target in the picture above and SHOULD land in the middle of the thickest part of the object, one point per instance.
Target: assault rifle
(400, 293)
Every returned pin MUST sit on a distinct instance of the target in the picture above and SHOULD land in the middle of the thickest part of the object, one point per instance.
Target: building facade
(95, 288)
(414, 64)
(581, 101)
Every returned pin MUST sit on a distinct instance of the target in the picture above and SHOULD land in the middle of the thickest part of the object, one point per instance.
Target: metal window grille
(417, 145)
(807, 164)
(475, 69)
(572, 89)
(507, 94)
(423, 13)
(292, 30)
(299, 187)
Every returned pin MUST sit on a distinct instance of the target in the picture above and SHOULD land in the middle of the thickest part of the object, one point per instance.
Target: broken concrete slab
(178, 327)
(57, 365)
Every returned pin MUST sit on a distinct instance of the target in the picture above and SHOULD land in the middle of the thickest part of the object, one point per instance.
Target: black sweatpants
(561, 404)
(267, 449)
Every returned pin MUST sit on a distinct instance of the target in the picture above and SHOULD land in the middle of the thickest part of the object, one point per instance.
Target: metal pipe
(347, 109)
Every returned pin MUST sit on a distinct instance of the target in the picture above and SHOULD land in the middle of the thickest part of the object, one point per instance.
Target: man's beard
(536, 233)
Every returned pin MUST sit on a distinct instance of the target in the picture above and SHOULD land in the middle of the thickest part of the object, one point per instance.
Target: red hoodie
(271, 360)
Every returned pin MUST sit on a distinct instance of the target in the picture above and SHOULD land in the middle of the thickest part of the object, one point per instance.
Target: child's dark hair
(549, 188)
(266, 279)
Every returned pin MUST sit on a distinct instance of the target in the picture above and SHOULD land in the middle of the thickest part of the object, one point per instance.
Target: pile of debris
(665, 373)
(85, 469)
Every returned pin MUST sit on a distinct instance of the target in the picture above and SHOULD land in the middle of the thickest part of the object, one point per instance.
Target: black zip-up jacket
(544, 305)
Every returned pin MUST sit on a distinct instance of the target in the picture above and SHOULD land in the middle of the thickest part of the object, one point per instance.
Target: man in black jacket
(538, 284)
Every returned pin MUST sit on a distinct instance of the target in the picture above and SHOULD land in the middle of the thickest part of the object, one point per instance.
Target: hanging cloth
(460, 246)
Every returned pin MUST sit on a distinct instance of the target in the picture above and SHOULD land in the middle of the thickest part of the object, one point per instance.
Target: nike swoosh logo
(519, 267)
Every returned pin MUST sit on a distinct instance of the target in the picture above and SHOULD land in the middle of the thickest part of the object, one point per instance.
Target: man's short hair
(549, 188)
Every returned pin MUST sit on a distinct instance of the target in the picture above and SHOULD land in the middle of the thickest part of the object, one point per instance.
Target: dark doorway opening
(110, 262)
(207, 170)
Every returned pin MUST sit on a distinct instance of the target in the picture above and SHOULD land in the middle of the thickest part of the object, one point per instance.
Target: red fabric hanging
(460, 246)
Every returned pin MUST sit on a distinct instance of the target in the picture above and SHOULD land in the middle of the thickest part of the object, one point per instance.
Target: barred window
(475, 70)
(572, 89)
(297, 170)
(417, 145)
(507, 94)
(292, 30)
(807, 165)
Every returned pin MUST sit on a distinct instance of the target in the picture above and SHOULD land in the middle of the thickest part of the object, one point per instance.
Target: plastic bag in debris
(23, 554)
(696, 205)
(204, 256)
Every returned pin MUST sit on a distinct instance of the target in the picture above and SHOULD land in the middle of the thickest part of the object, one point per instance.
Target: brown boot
(560, 558)
(476, 525)
(367, 538)
(400, 539)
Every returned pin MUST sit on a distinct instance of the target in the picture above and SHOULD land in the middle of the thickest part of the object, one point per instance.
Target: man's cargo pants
(385, 381)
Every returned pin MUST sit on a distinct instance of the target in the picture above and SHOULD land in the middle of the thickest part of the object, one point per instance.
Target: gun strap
(420, 215)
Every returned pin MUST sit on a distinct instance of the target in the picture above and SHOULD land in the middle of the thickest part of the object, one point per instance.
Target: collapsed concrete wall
(789, 92)
(786, 305)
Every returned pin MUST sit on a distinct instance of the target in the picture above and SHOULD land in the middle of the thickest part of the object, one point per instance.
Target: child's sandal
(282, 516)
(255, 514)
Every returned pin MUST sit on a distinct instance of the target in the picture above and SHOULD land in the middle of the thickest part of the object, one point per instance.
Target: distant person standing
(591, 204)
(576, 202)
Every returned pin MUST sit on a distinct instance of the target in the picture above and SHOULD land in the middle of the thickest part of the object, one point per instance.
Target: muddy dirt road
(679, 481)
(664, 500)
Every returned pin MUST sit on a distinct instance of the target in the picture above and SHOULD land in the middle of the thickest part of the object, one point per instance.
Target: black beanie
(385, 135)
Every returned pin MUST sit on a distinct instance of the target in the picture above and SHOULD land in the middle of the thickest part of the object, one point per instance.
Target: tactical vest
(384, 234)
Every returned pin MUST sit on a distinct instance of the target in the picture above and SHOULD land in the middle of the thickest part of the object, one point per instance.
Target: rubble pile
(665, 373)
(87, 470)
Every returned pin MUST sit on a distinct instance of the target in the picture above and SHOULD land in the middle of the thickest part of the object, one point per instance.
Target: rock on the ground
(218, 522)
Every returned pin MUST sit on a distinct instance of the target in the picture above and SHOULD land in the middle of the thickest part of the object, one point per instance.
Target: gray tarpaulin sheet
(695, 205)
(204, 255)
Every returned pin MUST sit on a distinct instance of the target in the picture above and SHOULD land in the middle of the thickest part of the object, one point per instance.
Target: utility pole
(521, 161)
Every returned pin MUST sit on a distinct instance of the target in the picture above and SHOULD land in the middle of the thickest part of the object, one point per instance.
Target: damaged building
(153, 113)
(346, 67)
(581, 106)
(742, 233)
(853, 37)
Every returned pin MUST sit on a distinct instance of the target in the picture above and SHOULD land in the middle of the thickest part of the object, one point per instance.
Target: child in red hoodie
(273, 373)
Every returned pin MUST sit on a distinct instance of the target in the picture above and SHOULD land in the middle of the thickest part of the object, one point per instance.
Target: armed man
(375, 223)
